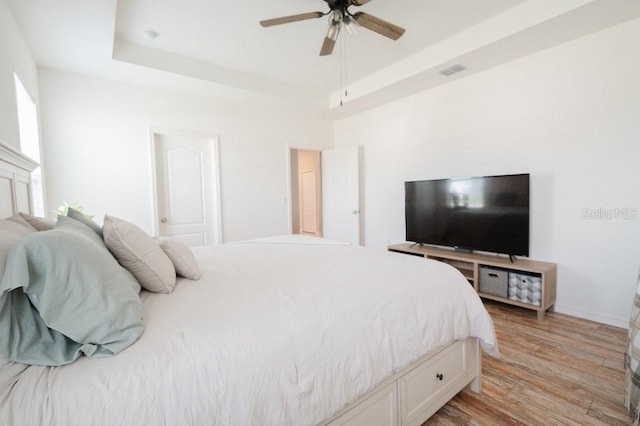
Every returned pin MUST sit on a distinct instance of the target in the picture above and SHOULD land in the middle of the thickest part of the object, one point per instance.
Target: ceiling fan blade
(378, 25)
(327, 46)
(292, 18)
(359, 2)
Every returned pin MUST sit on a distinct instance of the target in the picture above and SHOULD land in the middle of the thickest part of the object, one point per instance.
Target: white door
(341, 194)
(187, 188)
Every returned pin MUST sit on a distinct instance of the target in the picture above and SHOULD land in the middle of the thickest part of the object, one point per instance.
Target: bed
(286, 330)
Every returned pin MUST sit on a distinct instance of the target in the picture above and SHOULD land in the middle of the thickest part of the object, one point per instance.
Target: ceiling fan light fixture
(333, 31)
(335, 22)
(350, 25)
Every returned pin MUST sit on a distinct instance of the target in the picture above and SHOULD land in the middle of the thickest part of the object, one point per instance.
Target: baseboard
(621, 322)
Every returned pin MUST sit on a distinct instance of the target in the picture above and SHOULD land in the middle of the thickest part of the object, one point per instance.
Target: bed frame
(409, 397)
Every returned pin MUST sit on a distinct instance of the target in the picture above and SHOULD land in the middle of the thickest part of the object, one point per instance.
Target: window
(30, 141)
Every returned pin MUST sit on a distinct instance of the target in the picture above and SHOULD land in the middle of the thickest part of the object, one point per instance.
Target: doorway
(186, 187)
(306, 192)
(324, 193)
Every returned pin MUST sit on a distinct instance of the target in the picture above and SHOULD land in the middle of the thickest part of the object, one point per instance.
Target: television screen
(489, 213)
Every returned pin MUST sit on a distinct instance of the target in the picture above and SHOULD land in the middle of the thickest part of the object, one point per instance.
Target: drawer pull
(439, 376)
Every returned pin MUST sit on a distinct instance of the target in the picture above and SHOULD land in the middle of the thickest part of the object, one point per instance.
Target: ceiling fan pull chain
(345, 66)
(343, 71)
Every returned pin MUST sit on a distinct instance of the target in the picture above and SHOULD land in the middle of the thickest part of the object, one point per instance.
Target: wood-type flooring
(561, 371)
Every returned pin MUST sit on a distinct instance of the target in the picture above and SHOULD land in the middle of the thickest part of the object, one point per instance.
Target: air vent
(452, 70)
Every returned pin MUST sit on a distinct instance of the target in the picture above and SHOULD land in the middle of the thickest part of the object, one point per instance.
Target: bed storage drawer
(417, 392)
(381, 409)
(439, 379)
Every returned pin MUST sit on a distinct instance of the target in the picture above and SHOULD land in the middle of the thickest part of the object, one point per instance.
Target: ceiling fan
(341, 16)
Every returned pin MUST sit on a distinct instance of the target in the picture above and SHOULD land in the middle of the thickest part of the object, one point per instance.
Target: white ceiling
(217, 48)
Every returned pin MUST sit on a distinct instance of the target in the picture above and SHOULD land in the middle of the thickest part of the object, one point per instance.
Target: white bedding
(284, 331)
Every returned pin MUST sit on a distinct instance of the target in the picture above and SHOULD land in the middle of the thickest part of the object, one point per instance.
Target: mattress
(286, 331)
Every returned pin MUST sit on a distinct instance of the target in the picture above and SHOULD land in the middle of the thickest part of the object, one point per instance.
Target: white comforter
(278, 332)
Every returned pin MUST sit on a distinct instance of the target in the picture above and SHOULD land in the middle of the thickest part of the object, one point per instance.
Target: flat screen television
(488, 213)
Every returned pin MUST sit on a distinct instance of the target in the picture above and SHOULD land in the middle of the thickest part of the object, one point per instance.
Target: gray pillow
(80, 217)
(64, 295)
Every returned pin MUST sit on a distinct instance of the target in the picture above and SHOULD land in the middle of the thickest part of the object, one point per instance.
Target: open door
(341, 194)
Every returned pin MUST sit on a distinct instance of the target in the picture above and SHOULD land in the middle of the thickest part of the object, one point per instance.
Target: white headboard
(15, 181)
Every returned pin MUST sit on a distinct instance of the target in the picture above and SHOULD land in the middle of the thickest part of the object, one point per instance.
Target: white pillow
(140, 254)
(39, 223)
(183, 259)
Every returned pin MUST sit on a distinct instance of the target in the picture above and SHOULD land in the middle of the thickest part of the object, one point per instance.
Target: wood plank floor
(562, 371)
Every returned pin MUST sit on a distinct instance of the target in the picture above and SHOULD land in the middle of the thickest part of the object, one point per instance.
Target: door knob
(355, 211)
(163, 220)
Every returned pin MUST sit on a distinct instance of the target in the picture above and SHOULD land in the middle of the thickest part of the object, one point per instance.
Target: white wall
(570, 116)
(97, 150)
(14, 57)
